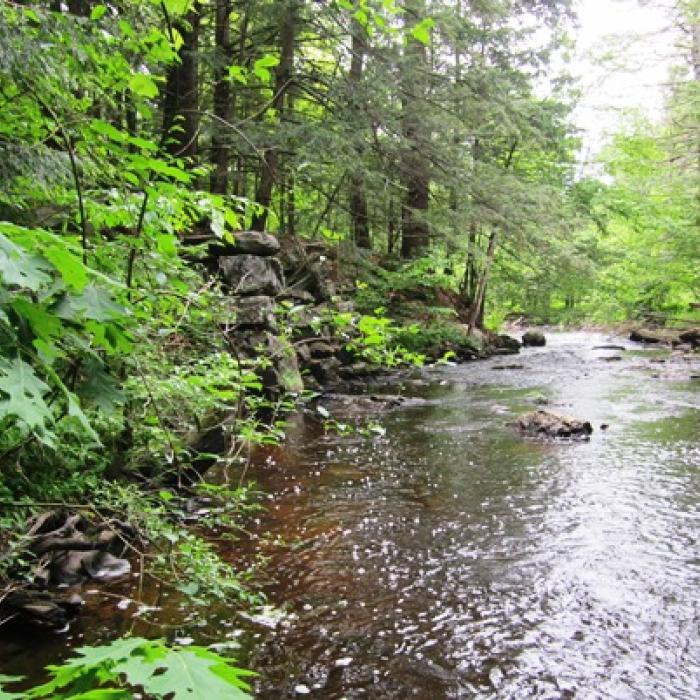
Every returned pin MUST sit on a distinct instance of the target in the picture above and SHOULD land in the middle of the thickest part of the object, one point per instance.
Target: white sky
(622, 59)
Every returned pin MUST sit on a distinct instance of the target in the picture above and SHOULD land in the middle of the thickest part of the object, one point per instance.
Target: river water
(453, 558)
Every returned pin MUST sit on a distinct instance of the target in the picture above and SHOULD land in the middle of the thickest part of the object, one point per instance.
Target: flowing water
(453, 558)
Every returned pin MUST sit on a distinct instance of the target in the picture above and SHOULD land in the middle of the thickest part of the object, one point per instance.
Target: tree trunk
(476, 311)
(181, 98)
(270, 158)
(358, 196)
(415, 170)
(220, 152)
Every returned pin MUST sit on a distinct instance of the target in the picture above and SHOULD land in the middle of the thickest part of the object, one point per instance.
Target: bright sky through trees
(622, 61)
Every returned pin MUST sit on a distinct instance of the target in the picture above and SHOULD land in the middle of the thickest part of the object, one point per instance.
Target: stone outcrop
(252, 243)
(248, 275)
(65, 549)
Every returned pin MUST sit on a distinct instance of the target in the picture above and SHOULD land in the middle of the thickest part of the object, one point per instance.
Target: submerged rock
(546, 424)
(534, 339)
(640, 335)
(692, 337)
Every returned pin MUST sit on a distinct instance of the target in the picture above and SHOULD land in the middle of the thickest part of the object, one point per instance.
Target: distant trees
(400, 128)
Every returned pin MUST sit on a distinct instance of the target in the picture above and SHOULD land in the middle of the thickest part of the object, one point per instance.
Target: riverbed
(451, 557)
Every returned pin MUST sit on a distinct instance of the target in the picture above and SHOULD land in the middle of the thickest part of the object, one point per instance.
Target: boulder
(283, 374)
(320, 348)
(251, 243)
(507, 345)
(692, 337)
(40, 609)
(103, 566)
(546, 424)
(641, 335)
(534, 339)
(325, 370)
(251, 275)
(254, 312)
(298, 296)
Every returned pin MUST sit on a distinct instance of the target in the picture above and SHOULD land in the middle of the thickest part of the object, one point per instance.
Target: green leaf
(94, 303)
(176, 7)
(4, 695)
(69, 266)
(167, 244)
(98, 12)
(19, 268)
(25, 393)
(260, 67)
(125, 28)
(44, 325)
(143, 85)
(421, 32)
(31, 15)
(238, 73)
(188, 674)
(75, 411)
(102, 127)
(104, 694)
(99, 388)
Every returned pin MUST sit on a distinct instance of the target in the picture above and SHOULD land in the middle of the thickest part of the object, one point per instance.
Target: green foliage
(435, 340)
(134, 667)
(182, 559)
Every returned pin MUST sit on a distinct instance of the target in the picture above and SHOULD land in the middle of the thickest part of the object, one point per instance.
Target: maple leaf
(187, 674)
(25, 392)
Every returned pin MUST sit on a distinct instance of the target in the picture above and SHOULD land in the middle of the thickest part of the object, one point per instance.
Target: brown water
(452, 558)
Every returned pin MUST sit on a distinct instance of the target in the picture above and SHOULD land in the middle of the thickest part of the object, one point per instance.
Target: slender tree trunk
(270, 158)
(476, 312)
(469, 281)
(358, 195)
(181, 98)
(220, 151)
(415, 170)
(392, 227)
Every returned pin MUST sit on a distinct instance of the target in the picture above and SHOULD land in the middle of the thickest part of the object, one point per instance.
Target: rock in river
(546, 424)
(534, 339)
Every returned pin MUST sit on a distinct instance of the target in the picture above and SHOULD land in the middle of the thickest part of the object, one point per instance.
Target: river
(453, 558)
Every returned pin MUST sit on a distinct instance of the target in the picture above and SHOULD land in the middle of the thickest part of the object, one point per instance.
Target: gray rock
(691, 337)
(357, 369)
(325, 370)
(320, 348)
(254, 243)
(641, 335)
(507, 345)
(254, 312)
(300, 296)
(545, 424)
(249, 275)
(283, 374)
(103, 566)
(534, 339)
(67, 568)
